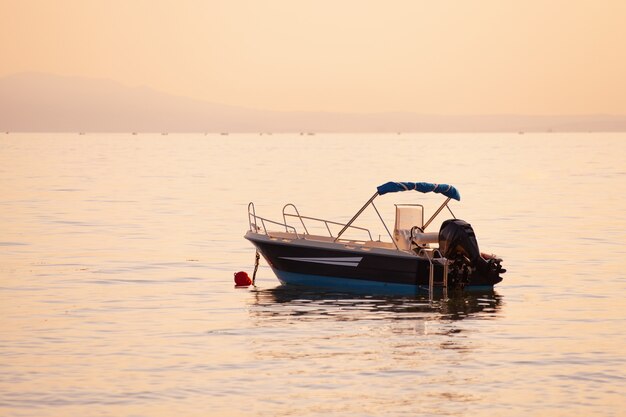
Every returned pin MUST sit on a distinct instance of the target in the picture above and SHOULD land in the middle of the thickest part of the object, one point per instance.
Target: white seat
(407, 217)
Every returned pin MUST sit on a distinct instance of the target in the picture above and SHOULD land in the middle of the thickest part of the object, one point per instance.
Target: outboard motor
(457, 243)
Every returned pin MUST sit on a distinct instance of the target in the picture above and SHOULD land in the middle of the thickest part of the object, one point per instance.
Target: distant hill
(34, 102)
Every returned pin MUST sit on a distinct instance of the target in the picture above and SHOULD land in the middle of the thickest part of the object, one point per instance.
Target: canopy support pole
(445, 203)
(384, 224)
(356, 215)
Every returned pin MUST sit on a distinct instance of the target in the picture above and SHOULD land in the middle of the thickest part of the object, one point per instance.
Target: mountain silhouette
(37, 102)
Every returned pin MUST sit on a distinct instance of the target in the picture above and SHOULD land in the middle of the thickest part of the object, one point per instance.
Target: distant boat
(164, 133)
(224, 133)
(81, 133)
(134, 133)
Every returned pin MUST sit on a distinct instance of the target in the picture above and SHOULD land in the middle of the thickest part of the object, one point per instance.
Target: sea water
(117, 255)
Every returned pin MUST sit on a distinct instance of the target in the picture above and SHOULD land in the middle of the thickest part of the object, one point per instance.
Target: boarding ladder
(435, 257)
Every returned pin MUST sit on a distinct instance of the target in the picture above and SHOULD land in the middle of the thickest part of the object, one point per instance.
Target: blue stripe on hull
(361, 286)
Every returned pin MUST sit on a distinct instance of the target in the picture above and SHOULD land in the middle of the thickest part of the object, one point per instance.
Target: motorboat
(413, 259)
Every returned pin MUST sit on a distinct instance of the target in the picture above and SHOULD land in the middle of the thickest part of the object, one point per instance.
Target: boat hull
(344, 266)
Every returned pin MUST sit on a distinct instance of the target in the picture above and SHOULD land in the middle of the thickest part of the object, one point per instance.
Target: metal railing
(315, 219)
(259, 224)
(434, 256)
(254, 220)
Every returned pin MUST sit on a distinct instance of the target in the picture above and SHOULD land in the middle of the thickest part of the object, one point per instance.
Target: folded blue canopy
(423, 187)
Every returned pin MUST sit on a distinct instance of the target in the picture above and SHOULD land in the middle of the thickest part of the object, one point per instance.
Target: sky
(434, 57)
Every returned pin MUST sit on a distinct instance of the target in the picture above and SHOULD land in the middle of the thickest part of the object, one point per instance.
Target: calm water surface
(117, 255)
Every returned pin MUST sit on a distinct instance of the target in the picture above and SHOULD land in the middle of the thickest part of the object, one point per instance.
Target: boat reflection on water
(303, 304)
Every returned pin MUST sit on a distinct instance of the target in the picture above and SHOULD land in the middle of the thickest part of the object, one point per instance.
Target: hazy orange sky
(446, 57)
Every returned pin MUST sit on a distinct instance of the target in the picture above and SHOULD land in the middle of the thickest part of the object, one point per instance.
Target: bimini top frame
(424, 187)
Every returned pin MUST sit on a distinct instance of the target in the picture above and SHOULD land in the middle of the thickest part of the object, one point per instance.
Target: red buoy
(242, 279)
